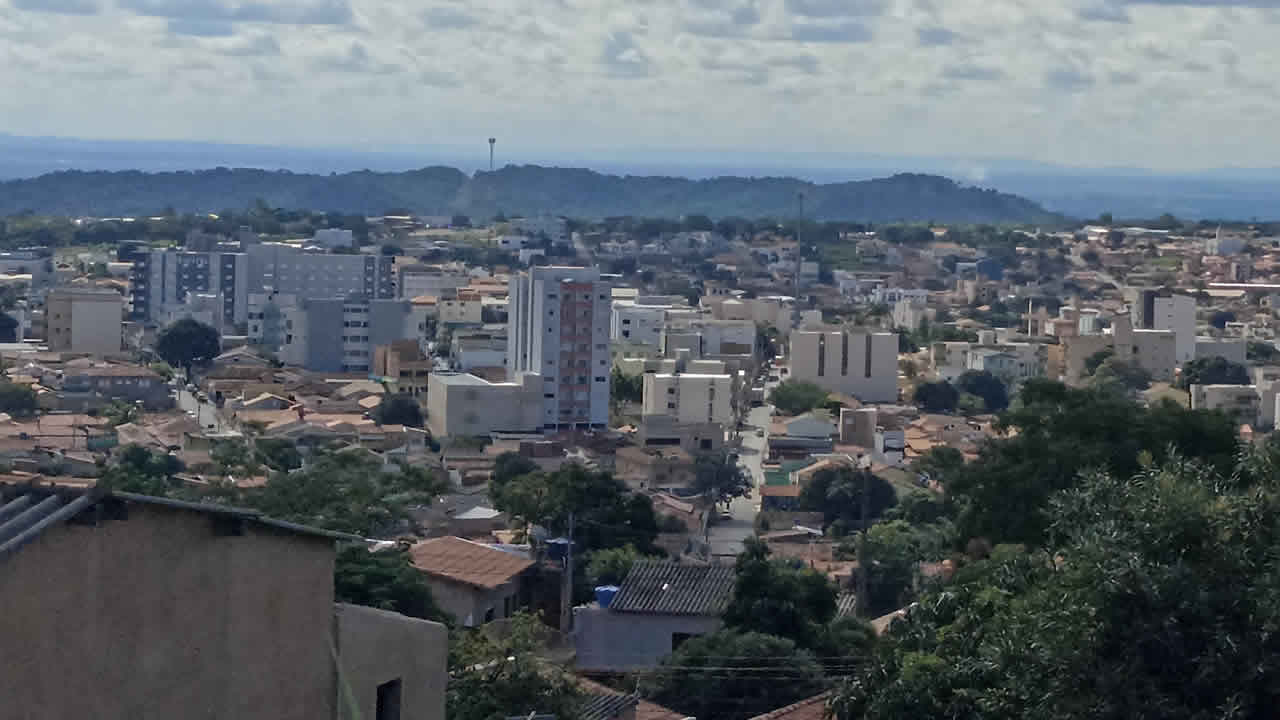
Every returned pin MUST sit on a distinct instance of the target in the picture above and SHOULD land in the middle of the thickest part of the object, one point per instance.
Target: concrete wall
(376, 647)
(620, 642)
(157, 617)
(84, 321)
(470, 605)
(861, 364)
(466, 405)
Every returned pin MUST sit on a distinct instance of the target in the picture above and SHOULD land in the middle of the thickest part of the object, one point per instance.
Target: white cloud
(1075, 81)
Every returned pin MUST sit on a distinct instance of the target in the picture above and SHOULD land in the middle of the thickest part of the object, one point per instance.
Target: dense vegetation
(514, 189)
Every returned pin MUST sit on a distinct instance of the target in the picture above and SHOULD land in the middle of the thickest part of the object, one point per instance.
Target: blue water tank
(604, 594)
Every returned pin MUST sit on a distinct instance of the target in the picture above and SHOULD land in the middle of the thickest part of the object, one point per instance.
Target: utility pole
(492, 142)
(566, 591)
(865, 508)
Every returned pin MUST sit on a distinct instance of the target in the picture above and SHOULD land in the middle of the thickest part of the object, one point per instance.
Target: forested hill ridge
(527, 189)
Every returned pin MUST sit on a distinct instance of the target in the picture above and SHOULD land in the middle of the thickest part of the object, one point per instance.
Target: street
(205, 413)
(727, 536)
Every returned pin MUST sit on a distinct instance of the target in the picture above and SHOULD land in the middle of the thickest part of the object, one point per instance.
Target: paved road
(727, 536)
(205, 412)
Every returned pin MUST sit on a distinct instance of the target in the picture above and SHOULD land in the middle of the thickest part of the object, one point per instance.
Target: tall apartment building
(338, 334)
(162, 279)
(84, 320)
(860, 363)
(1151, 311)
(559, 329)
(689, 398)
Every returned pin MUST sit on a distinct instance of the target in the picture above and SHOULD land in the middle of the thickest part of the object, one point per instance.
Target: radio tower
(795, 304)
(492, 142)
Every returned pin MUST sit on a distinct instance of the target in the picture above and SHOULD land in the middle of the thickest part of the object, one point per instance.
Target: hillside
(514, 189)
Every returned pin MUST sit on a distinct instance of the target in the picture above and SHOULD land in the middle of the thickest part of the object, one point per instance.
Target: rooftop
(814, 708)
(467, 562)
(666, 588)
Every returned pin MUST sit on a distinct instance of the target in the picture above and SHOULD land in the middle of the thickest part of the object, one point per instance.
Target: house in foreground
(474, 582)
(658, 606)
(120, 606)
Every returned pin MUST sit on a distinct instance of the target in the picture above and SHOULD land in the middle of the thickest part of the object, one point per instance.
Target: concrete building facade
(559, 329)
(860, 363)
(84, 320)
(459, 404)
(337, 335)
(689, 397)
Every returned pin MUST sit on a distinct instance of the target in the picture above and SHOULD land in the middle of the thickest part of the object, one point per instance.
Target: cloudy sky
(1170, 84)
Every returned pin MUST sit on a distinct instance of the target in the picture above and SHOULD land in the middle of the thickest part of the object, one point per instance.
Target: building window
(388, 701)
(671, 406)
(671, 391)
(822, 355)
(600, 379)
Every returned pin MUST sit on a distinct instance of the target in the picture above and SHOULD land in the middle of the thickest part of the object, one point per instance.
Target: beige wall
(843, 374)
(84, 321)
(689, 398)
(469, 605)
(376, 647)
(1156, 351)
(157, 617)
(478, 408)
(1240, 401)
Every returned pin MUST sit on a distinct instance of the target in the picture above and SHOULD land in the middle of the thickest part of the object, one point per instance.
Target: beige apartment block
(84, 320)
(860, 363)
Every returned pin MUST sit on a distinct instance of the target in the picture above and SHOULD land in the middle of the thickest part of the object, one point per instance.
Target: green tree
(1094, 361)
(1262, 353)
(734, 675)
(120, 412)
(398, 409)
(143, 471)
(386, 580)
(1116, 375)
(994, 394)
(719, 478)
(626, 388)
(494, 677)
(794, 397)
(939, 463)
(605, 514)
(1147, 604)
(839, 493)
(348, 492)
(187, 343)
(777, 597)
(511, 465)
(17, 400)
(610, 566)
(936, 397)
(1215, 370)
(1061, 431)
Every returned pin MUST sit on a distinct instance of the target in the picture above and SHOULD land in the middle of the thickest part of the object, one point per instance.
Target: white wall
(861, 364)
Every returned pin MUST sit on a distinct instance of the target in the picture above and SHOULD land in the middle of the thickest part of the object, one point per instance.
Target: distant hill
(526, 189)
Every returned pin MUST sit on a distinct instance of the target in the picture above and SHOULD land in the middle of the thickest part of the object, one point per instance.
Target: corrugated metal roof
(665, 588)
(606, 706)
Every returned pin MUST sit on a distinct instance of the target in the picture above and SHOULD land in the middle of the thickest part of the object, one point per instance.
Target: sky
(1161, 84)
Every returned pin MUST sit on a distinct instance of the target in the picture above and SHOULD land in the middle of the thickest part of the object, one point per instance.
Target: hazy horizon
(1151, 84)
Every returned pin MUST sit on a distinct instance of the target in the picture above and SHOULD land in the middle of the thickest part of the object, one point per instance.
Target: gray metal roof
(606, 706)
(665, 588)
(28, 510)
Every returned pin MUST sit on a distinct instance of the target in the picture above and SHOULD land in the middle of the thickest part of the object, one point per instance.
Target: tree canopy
(936, 397)
(1150, 601)
(777, 597)
(1215, 370)
(606, 514)
(839, 493)
(794, 397)
(386, 580)
(17, 400)
(494, 677)
(734, 676)
(398, 409)
(719, 478)
(1060, 431)
(187, 343)
(994, 394)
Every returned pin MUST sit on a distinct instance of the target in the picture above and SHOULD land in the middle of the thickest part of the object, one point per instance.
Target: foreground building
(154, 608)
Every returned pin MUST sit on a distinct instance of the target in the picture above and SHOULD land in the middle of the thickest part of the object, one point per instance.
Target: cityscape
(325, 417)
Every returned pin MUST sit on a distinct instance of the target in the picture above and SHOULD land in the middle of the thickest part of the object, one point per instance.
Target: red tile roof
(467, 562)
(814, 708)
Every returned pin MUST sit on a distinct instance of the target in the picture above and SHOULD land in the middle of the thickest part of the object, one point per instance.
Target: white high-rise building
(690, 398)
(1178, 313)
(559, 329)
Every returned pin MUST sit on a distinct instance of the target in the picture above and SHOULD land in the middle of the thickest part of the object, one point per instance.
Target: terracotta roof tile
(467, 562)
(814, 708)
